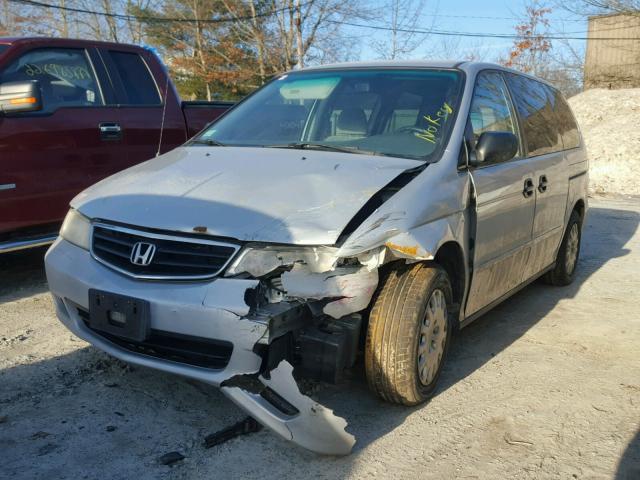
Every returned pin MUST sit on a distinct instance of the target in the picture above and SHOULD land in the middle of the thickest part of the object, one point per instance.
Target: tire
(568, 254)
(399, 331)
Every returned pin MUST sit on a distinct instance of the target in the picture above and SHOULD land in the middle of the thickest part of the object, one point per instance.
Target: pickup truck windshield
(395, 112)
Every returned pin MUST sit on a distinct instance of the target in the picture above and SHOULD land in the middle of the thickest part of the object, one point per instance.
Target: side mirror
(493, 147)
(18, 97)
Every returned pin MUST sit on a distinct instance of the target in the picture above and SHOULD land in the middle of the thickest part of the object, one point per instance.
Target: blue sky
(470, 16)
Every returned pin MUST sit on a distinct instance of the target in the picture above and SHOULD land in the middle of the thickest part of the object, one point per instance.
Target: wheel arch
(580, 207)
(450, 256)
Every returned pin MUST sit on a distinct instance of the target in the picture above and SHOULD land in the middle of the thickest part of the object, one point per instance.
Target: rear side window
(566, 121)
(534, 104)
(137, 81)
(65, 77)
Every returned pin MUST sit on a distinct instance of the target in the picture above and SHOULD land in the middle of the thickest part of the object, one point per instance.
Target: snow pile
(610, 124)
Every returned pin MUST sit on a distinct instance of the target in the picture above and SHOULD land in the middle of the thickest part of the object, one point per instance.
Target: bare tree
(6, 18)
(135, 28)
(289, 33)
(530, 50)
(209, 56)
(306, 31)
(611, 74)
(533, 52)
(452, 48)
(594, 7)
(252, 27)
(401, 16)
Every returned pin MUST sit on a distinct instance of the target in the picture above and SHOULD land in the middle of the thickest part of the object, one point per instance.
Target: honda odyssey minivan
(340, 209)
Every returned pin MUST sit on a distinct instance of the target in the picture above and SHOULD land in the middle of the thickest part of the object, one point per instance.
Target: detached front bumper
(214, 310)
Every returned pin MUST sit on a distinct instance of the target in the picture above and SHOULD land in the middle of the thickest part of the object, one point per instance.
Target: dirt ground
(547, 385)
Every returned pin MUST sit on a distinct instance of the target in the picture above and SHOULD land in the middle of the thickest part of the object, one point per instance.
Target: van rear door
(535, 103)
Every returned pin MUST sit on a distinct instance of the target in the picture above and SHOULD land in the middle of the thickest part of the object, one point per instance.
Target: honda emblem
(142, 253)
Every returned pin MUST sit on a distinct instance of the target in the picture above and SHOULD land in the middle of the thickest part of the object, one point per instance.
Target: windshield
(3, 48)
(396, 112)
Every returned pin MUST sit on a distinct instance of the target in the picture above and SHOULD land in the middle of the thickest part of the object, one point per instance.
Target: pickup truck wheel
(568, 254)
(409, 333)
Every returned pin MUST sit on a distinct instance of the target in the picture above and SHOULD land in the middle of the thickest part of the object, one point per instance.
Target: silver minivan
(357, 208)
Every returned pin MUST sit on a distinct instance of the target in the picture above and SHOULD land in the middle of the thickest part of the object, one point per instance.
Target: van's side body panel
(548, 225)
(504, 218)
(546, 215)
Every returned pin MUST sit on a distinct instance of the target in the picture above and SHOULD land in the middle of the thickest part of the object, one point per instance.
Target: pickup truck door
(145, 95)
(48, 157)
(535, 105)
(505, 201)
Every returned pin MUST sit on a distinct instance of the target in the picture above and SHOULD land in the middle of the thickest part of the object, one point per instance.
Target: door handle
(542, 184)
(529, 189)
(110, 131)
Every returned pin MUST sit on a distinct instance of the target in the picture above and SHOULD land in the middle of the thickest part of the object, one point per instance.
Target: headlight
(76, 229)
(258, 261)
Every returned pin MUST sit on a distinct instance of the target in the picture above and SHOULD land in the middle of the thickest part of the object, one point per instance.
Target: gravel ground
(547, 385)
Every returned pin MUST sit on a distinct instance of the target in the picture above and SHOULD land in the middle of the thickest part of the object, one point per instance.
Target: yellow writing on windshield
(434, 124)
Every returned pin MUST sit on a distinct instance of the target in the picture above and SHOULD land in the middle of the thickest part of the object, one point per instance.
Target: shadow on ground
(629, 466)
(22, 274)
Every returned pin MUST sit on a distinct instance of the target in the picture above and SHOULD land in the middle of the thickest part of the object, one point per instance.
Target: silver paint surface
(250, 194)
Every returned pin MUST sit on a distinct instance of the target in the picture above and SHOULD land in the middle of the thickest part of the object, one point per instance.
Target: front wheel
(409, 333)
(564, 271)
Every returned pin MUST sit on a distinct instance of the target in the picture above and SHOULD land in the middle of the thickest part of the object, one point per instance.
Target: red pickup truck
(73, 112)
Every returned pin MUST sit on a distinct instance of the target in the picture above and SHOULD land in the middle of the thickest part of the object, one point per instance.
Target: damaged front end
(246, 331)
(278, 311)
(306, 299)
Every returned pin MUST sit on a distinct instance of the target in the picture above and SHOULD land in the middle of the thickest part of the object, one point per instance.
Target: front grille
(197, 351)
(175, 257)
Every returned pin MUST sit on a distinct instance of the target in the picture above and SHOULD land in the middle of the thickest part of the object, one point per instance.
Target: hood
(251, 194)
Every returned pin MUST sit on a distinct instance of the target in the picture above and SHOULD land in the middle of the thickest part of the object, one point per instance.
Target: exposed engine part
(327, 350)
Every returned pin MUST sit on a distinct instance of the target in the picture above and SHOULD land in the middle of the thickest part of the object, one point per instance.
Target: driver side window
(65, 76)
(490, 108)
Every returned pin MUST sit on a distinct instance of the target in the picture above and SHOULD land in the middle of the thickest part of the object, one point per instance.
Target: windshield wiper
(209, 143)
(323, 146)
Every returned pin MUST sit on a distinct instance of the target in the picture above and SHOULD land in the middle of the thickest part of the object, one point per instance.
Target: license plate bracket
(119, 315)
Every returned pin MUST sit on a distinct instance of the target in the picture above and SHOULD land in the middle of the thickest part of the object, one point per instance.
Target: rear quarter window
(566, 121)
(138, 84)
(535, 107)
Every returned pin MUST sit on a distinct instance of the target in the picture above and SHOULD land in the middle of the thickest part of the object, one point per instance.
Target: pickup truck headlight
(76, 229)
(258, 261)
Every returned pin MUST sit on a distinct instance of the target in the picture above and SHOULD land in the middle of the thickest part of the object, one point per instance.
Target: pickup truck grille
(158, 256)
